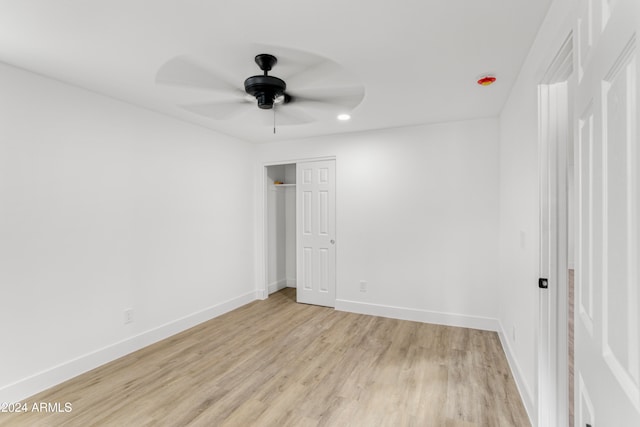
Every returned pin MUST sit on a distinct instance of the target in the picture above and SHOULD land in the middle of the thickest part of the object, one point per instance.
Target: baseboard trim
(276, 286)
(418, 315)
(516, 372)
(43, 380)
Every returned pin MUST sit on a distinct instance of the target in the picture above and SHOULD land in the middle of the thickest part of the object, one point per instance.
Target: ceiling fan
(317, 90)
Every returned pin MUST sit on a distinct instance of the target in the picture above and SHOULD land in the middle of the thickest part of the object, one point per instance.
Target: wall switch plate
(363, 286)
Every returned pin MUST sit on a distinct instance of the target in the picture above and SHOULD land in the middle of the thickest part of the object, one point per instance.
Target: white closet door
(316, 226)
(607, 328)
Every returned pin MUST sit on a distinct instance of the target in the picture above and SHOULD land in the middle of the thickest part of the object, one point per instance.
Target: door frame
(556, 142)
(261, 279)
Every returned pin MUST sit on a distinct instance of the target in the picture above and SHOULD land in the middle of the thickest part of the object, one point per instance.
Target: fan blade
(220, 110)
(185, 71)
(347, 97)
(291, 115)
(285, 115)
(314, 73)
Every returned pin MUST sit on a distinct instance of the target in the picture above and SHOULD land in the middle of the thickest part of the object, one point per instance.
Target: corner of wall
(419, 315)
(516, 371)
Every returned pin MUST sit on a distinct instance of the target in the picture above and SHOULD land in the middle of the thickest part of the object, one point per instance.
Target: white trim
(516, 371)
(261, 236)
(57, 374)
(419, 315)
(555, 138)
(277, 286)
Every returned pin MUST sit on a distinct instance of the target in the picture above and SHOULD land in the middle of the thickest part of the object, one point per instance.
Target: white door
(316, 223)
(607, 328)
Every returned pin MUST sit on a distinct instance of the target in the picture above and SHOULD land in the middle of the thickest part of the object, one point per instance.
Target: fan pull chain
(274, 118)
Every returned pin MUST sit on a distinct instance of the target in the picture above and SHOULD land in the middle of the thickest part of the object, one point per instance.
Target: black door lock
(543, 283)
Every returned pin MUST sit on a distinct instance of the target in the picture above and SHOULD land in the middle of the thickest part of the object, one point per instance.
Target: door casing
(261, 279)
(555, 143)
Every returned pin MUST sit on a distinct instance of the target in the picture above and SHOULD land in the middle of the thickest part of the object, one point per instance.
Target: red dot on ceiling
(486, 80)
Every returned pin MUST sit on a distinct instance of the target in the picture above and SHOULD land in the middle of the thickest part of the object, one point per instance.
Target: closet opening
(280, 188)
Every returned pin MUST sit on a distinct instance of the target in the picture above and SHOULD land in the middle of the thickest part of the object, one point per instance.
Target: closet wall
(281, 227)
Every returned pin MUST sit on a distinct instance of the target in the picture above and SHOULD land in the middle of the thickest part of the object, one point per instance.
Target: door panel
(620, 320)
(607, 336)
(316, 234)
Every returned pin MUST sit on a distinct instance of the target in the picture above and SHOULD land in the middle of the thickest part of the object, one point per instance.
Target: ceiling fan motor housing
(265, 89)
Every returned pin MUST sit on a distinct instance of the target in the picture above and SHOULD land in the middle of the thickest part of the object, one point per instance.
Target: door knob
(333, 242)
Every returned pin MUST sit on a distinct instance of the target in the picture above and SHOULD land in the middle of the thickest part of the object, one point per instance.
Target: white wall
(276, 229)
(519, 210)
(106, 207)
(417, 218)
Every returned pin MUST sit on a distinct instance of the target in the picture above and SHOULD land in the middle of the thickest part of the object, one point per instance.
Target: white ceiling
(418, 60)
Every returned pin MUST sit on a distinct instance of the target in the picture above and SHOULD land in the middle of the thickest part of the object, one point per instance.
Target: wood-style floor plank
(279, 363)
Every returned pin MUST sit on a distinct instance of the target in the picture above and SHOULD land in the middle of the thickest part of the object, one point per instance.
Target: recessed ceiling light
(344, 117)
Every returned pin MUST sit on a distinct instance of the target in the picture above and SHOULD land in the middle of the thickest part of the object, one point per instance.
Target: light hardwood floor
(278, 363)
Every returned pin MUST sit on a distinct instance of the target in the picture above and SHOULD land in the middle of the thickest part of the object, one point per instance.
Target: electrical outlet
(128, 316)
(363, 286)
